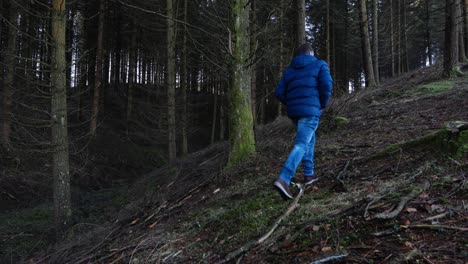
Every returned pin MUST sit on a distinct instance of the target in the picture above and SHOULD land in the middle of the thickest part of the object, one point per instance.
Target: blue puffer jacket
(305, 87)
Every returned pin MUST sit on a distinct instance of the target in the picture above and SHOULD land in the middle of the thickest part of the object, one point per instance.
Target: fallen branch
(435, 217)
(350, 210)
(462, 229)
(330, 258)
(413, 194)
(247, 246)
(384, 233)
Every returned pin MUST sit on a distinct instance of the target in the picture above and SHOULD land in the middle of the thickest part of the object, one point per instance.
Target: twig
(366, 211)
(330, 258)
(384, 233)
(413, 194)
(343, 171)
(435, 217)
(88, 253)
(462, 229)
(247, 246)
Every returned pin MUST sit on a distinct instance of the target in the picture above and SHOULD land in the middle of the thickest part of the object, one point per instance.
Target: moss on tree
(241, 133)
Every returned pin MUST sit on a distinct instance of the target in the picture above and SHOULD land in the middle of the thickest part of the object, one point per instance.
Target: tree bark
(131, 71)
(117, 68)
(98, 79)
(328, 31)
(82, 60)
(405, 32)
(59, 132)
(300, 23)
(451, 37)
(9, 75)
(240, 115)
(366, 48)
(213, 119)
(428, 31)
(171, 82)
(461, 31)
(281, 51)
(184, 84)
(465, 7)
(375, 39)
(253, 74)
(392, 43)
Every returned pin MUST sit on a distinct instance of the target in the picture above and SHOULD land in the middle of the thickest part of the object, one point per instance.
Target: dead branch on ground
(404, 200)
(247, 246)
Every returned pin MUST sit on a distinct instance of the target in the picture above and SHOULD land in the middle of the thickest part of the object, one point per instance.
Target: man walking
(305, 88)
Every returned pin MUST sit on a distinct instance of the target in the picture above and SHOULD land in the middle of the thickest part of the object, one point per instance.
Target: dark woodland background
(142, 83)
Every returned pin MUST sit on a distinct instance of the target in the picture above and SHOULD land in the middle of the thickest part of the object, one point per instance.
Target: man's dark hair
(303, 49)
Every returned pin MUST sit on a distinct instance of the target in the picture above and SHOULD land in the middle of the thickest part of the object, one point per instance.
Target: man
(305, 89)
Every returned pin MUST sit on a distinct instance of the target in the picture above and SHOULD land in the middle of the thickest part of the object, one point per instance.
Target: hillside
(373, 156)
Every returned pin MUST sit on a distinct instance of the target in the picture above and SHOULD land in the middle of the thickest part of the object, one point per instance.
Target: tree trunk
(366, 48)
(405, 32)
(98, 79)
(221, 118)
(461, 32)
(60, 166)
(9, 75)
(328, 31)
(131, 71)
(428, 31)
(375, 39)
(69, 47)
(281, 51)
(184, 86)
(399, 36)
(253, 74)
(213, 120)
(117, 68)
(82, 60)
(300, 26)
(466, 25)
(241, 133)
(392, 43)
(171, 82)
(451, 37)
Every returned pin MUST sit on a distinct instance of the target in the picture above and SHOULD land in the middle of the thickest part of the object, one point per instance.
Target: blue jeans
(303, 149)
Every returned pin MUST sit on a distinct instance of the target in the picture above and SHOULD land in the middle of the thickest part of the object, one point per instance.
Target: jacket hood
(302, 60)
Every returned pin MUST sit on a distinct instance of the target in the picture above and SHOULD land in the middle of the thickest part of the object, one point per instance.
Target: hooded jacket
(305, 87)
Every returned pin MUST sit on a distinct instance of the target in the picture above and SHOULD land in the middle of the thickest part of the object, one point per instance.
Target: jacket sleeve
(280, 91)
(325, 85)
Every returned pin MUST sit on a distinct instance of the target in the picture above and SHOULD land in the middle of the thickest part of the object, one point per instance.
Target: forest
(118, 117)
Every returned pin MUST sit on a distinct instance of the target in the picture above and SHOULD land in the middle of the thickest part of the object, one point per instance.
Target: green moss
(456, 72)
(19, 229)
(446, 140)
(433, 88)
(339, 121)
(461, 144)
(241, 220)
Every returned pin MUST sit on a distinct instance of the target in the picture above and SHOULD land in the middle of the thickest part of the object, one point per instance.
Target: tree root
(450, 139)
(247, 246)
(413, 194)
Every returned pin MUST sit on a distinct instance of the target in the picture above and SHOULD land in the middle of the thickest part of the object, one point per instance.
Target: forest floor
(370, 160)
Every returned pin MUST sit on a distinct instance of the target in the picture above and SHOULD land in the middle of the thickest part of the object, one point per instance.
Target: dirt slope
(193, 212)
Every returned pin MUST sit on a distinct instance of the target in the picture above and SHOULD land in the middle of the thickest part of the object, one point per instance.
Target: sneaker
(283, 189)
(308, 180)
